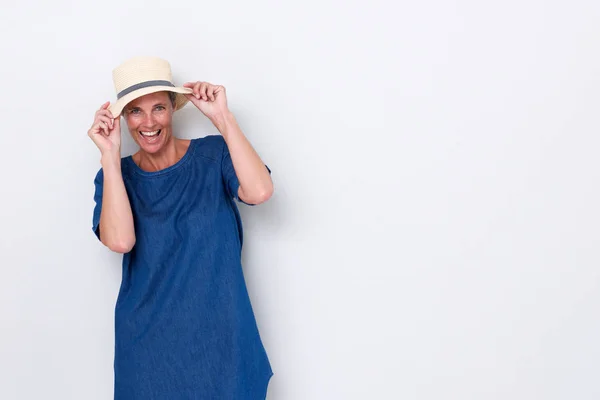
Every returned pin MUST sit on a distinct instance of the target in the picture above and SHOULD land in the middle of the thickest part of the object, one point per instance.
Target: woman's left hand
(208, 98)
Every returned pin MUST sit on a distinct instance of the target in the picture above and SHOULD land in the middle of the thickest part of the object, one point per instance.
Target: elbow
(257, 196)
(119, 241)
(121, 246)
(263, 195)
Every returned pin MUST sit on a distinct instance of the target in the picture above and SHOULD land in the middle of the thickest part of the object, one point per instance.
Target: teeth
(150, 133)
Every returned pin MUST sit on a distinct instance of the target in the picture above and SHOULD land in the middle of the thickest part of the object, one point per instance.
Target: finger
(203, 89)
(197, 90)
(104, 127)
(104, 112)
(210, 91)
(218, 89)
(101, 129)
(97, 137)
(96, 129)
(109, 121)
(110, 115)
(104, 106)
(193, 86)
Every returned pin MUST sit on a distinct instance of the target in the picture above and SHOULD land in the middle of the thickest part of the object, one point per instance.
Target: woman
(184, 325)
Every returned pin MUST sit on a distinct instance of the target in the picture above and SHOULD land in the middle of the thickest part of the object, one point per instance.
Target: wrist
(110, 159)
(222, 120)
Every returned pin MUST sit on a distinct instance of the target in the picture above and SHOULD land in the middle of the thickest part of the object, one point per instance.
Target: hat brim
(180, 99)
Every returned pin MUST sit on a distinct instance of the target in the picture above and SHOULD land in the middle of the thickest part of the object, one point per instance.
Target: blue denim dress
(184, 325)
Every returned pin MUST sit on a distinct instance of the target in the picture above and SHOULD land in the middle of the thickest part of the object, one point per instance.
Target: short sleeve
(98, 184)
(232, 183)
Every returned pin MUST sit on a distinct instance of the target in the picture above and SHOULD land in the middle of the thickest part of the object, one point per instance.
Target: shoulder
(209, 147)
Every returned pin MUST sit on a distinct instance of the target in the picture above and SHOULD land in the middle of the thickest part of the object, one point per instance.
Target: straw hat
(139, 76)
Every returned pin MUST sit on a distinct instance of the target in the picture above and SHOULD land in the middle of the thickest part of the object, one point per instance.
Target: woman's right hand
(106, 131)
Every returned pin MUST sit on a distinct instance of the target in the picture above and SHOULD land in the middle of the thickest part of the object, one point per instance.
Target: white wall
(435, 228)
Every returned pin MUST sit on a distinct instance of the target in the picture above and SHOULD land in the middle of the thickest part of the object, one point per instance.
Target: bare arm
(256, 185)
(116, 219)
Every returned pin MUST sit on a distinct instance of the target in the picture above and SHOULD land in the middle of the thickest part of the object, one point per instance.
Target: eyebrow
(136, 107)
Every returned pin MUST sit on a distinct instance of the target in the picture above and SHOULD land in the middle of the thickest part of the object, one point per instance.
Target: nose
(149, 120)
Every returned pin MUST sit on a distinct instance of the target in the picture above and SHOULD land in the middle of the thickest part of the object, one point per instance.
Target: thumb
(193, 99)
(116, 125)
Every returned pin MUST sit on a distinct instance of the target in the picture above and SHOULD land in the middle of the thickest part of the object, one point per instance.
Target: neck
(173, 150)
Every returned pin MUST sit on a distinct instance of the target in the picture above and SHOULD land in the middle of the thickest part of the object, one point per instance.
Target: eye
(134, 111)
(159, 108)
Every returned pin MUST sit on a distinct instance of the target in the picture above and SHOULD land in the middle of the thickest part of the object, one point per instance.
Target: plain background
(434, 231)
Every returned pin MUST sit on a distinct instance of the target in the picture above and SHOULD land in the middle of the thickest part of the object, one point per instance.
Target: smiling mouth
(150, 134)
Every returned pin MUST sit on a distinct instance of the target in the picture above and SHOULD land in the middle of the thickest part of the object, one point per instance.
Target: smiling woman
(149, 119)
(184, 325)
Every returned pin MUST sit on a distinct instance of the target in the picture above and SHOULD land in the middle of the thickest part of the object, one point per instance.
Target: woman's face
(149, 120)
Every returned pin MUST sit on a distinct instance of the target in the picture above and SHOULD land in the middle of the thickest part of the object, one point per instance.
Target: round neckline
(163, 171)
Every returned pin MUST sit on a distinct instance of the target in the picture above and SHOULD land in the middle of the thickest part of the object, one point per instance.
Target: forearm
(256, 185)
(116, 219)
